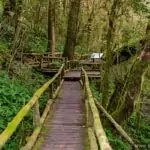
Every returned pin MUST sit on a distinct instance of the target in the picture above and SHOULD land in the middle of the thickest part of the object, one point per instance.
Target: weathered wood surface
(48, 70)
(65, 130)
(77, 74)
(97, 124)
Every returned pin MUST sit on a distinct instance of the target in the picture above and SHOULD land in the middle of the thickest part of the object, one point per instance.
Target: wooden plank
(65, 130)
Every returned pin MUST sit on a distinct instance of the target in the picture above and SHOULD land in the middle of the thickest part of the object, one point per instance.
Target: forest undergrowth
(16, 89)
(138, 131)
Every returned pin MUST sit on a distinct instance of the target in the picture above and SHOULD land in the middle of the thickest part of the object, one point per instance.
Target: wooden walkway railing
(34, 103)
(95, 128)
(93, 122)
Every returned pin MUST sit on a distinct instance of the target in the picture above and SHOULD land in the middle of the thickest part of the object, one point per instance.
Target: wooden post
(52, 59)
(48, 61)
(84, 90)
(66, 67)
(59, 80)
(63, 72)
(41, 61)
(69, 65)
(36, 115)
(51, 91)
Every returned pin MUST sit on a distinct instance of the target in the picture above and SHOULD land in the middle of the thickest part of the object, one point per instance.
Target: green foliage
(116, 142)
(56, 64)
(141, 135)
(95, 87)
(7, 35)
(111, 85)
(95, 92)
(3, 47)
(146, 87)
(139, 6)
(59, 47)
(80, 49)
(15, 92)
(130, 36)
(36, 44)
(13, 97)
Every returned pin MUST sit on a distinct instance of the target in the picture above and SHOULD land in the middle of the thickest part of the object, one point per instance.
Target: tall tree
(72, 29)
(37, 16)
(110, 37)
(127, 92)
(51, 26)
(17, 34)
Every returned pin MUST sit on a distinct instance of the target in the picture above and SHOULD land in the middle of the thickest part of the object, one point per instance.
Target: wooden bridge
(71, 116)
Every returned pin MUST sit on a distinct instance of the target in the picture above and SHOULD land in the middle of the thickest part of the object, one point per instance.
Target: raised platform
(76, 75)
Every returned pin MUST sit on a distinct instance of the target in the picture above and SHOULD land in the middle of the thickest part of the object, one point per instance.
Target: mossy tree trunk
(17, 38)
(51, 27)
(72, 29)
(125, 97)
(110, 36)
(37, 16)
(17, 17)
(89, 29)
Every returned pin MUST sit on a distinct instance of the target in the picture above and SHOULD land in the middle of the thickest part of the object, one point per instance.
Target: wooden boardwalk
(69, 126)
(65, 130)
(76, 75)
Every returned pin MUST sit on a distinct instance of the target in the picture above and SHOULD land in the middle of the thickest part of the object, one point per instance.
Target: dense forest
(120, 29)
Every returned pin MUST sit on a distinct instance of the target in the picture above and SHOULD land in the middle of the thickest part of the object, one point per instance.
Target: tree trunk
(17, 20)
(16, 39)
(18, 13)
(110, 37)
(37, 16)
(72, 29)
(51, 27)
(89, 29)
(125, 96)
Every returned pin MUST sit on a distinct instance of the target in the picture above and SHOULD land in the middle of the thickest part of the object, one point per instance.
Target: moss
(1, 60)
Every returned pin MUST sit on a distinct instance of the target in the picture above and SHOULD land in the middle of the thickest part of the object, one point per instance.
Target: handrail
(116, 125)
(12, 126)
(99, 131)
